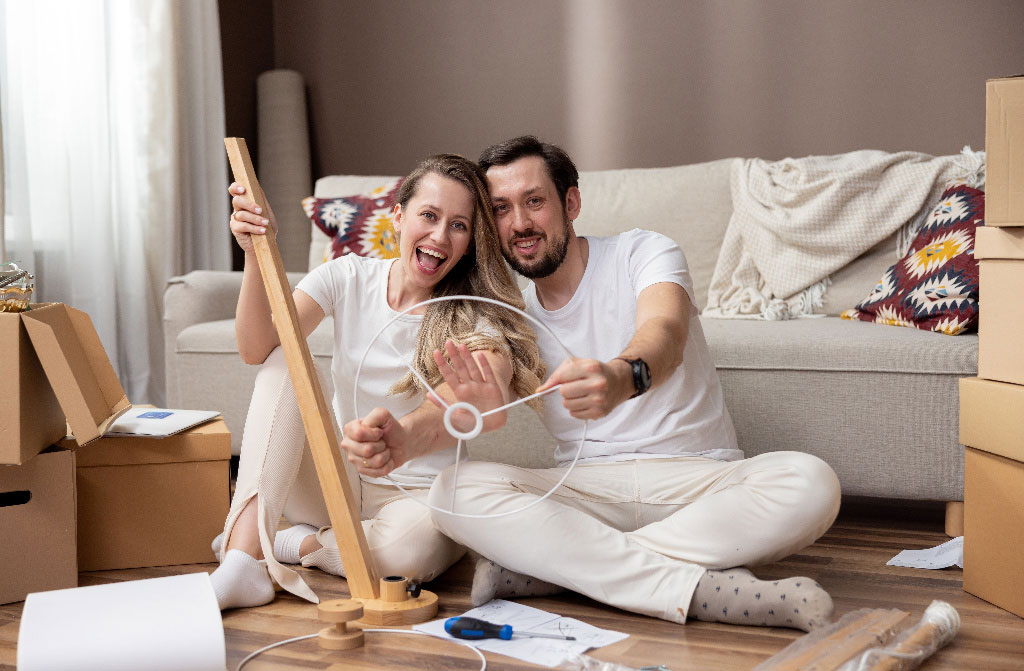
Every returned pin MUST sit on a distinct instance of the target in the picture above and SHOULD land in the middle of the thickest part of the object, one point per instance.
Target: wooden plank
(316, 414)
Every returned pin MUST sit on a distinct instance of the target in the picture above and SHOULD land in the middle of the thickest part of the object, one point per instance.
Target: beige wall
(628, 83)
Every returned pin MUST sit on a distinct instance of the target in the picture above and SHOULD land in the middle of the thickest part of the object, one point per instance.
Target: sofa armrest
(198, 297)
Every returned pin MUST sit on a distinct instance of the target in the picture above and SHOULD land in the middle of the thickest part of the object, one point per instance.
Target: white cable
(480, 299)
(483, 661)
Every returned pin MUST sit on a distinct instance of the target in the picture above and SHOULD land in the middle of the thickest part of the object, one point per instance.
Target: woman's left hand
(472, 380)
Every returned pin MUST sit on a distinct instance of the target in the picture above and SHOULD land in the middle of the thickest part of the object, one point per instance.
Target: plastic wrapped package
(16, 286)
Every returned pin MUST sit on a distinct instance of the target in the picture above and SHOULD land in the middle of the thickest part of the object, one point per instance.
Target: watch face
(645, 375)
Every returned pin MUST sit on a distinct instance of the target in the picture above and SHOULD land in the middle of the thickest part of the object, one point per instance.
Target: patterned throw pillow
(360, 225)
(934, 286)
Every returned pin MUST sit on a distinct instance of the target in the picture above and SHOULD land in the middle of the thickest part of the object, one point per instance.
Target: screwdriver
(473, 629)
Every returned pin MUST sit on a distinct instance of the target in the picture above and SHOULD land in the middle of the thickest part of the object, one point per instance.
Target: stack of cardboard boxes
(992, 404)
(91, 503)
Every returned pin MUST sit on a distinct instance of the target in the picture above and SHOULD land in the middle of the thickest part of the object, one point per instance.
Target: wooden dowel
(316, 413)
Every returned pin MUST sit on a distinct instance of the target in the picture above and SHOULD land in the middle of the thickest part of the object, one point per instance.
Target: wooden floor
(849, 561)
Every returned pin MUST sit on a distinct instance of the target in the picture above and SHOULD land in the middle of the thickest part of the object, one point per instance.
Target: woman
(443, 221)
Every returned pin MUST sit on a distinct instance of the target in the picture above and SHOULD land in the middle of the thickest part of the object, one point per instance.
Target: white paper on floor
(543, 651)
(950, 553)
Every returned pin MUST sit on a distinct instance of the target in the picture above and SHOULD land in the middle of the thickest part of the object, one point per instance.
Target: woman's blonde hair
(481, 272)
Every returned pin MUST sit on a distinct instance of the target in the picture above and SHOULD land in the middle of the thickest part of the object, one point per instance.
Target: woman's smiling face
(435, 229)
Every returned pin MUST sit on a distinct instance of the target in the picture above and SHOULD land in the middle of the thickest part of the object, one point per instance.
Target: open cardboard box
(1000, 254)
(37, 515)
(60, 343)
(152, 501)
(991, 426)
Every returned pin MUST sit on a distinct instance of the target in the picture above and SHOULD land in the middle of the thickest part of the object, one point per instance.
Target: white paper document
(950, 553)
(158, 422)
(525, 619)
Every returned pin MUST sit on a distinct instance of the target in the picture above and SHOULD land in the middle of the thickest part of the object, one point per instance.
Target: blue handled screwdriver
(473, 629)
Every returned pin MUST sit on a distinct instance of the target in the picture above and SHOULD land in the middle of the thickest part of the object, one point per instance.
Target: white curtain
(113, 119)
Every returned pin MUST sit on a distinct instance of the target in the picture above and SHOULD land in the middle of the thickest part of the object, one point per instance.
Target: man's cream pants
(277, 465)
(639, 534)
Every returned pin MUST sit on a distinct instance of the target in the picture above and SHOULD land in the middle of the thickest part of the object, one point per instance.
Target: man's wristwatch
(641, 375)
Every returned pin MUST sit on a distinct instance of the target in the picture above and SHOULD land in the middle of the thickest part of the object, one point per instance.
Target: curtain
(113, 119)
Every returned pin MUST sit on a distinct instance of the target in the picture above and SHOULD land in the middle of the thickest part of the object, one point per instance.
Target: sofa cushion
(340, 186)
(934, 286)
(832, 344)
(357, 224)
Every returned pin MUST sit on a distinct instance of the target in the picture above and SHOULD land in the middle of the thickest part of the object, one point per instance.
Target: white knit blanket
(797, 221)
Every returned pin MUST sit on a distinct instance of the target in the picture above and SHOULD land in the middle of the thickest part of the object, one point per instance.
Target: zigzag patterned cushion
(935, 285)
(360, 225)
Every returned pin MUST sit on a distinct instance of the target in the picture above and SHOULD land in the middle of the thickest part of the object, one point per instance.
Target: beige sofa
(878, 403)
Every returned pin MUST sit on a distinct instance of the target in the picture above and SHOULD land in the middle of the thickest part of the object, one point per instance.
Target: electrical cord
(251, 656)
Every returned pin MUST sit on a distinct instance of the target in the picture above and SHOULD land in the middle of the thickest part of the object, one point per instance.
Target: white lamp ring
(478, 421)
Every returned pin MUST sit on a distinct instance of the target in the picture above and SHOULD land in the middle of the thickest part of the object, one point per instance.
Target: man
(661, 502)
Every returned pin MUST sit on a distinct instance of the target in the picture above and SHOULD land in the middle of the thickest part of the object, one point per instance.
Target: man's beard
(546, 264)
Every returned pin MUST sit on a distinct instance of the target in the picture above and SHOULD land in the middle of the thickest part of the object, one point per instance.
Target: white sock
(737, 597)
(325, 559)
(242, 581)
(288, 541)
(491, 581)
(215, 546)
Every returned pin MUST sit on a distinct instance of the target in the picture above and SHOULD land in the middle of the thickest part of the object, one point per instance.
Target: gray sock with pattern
(737, 597)
(491, 581)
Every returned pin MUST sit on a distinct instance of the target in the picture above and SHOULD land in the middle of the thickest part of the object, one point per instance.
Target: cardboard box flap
(992, 417)
(207, 442)
(999, 243)
(78, 369)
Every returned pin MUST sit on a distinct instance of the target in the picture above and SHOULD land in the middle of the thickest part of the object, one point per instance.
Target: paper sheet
(160, 624)
(543, 651)
(950, 553)
(158, 422)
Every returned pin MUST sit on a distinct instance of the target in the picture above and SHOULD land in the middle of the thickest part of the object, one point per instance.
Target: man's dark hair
(561, 169)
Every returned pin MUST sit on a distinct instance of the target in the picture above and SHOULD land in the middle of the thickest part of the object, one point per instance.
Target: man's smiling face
(533, 227)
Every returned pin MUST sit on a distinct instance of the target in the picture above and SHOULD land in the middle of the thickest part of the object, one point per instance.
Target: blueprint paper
(950, 553)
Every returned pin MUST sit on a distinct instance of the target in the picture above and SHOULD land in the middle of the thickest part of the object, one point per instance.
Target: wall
(629, 83)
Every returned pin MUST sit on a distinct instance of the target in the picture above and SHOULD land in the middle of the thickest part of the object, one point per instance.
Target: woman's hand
(376, 444)
(473, 380)
(248, 219)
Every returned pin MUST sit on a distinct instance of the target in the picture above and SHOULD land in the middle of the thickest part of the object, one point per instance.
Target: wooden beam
(316, 413)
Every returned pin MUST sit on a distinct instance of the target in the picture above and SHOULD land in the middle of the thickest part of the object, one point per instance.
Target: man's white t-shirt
(353, 290)
(684, 415)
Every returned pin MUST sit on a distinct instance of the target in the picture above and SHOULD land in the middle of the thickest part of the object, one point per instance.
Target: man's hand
(591, 389)
(472, 380)
(376, 444)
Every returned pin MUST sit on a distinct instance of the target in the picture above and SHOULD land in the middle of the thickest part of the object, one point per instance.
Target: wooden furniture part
(954, 518)
(319, 426)
(340, 612)
(868, 630)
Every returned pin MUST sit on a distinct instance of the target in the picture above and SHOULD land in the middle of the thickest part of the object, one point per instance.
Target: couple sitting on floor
(662, 512)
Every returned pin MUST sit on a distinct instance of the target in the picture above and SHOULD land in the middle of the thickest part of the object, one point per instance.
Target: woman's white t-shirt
(684, 415)
(353, 290)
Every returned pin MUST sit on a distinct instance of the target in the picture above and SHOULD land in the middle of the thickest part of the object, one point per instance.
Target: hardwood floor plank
(849, 562)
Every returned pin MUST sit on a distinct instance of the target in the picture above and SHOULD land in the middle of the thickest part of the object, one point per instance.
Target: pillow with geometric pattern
(360, 225)
(934, 286)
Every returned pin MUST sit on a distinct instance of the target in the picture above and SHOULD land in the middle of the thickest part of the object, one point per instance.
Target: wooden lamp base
(340, 612)
(398, 605)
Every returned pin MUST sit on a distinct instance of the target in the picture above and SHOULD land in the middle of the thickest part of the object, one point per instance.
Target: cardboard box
(1004, 152)
(992, 428)
(78, 377)
(37, 516)
(1000, 254)
(152, 501)
(30, 417)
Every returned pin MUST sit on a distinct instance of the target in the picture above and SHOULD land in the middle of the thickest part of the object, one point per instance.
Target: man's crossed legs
(653, 536)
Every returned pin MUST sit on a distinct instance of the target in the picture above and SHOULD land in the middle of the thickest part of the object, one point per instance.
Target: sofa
(878, 403)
